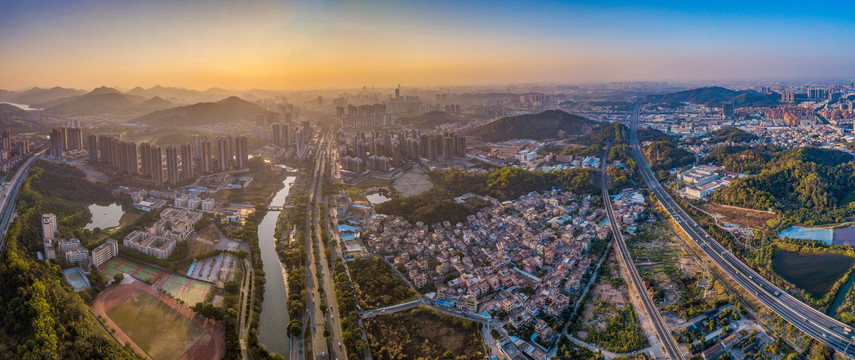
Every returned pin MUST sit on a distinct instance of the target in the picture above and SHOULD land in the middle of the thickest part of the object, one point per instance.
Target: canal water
(273, 327)
(838, 300)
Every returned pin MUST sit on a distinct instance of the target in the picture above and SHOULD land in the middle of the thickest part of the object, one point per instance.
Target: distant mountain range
(38, 95)
(713, 97)
(231, 109)
(544, 125)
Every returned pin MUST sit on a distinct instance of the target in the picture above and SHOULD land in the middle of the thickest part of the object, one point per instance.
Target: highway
(10, 197)
(812, 322)
(321, 347)
(662, 331)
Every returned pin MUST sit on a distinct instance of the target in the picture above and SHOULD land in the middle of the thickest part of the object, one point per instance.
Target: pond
(838, 236)
(105, 217)
(815, 273)
(377, 198)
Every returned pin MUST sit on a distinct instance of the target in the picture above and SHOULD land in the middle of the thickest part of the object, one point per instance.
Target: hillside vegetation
(41, 317)
(730, 134)
(713, 97)
(811, 185)
(545, 125)
(232, 109)
(664, 155)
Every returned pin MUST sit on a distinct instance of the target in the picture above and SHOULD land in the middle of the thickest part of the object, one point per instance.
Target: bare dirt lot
(413, 182)
(754, 219)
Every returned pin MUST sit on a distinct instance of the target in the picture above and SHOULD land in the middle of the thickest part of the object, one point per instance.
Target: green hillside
(713, 96)
(231, 109)
(545, 125)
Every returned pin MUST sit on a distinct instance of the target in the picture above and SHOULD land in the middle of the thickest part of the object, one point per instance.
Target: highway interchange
(809, 320)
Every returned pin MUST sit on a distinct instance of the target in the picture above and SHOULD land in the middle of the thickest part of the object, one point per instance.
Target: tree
(295, 327)
(242, 254)
(448, 355)
(118, 278)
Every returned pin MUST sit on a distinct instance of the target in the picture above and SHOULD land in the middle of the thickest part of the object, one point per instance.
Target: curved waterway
(273, 326)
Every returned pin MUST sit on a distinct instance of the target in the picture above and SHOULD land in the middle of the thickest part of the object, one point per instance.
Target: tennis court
(76, 278)
(120, 265)
(189, 290)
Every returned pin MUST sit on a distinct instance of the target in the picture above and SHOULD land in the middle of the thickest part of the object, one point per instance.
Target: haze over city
(309, 44)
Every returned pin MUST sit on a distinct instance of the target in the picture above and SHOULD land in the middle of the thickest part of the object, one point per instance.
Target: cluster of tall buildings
(286, 135)
(66, 138)
(792, 115)
(8, 147)
(373, 151)
(364, 116)
(148, 161)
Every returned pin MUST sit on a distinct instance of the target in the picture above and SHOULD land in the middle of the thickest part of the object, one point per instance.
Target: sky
(293, 45)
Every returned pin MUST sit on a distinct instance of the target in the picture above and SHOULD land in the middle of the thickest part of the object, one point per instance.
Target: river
(272, 329)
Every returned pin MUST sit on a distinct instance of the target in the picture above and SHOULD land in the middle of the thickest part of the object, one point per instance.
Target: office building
(92, 148)
(172, 174)
(56, 144)
(156, 165)
(105, 252)
(145, 160)
(242, 152)
(187, 161)
(727, 109)
(205, 156)
(48, 226)
(224, 153)
(300, 144)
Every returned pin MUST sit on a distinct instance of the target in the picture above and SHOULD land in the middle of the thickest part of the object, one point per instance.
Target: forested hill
(713, 96)
(812, 185)
(544, 125)
(730, 134)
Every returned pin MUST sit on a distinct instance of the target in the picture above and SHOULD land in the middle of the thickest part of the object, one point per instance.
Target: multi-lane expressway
(9, 197)
(662, 332)
(820, 326)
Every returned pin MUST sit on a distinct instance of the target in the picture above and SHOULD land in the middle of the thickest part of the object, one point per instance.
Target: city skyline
(303, 45)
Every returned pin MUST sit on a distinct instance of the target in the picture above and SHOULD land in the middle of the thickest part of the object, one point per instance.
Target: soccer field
(120, 265)
(162, 332)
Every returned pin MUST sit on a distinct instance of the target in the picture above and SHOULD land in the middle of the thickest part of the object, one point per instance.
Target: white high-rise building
(48, 226)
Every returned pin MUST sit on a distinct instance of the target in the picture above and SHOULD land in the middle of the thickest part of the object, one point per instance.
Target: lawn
(159, 330)
(423, 333)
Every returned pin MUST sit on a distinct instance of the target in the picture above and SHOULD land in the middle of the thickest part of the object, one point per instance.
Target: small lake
(815, 273)
(818, 234)
(377, 198)
(105, 217)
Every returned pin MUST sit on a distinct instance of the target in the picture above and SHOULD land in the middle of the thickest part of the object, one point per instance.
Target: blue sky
(312, 44)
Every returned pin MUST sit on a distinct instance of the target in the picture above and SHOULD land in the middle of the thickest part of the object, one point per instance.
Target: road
(812, 322)
(318, 318)
(10, 197)
(662, 332)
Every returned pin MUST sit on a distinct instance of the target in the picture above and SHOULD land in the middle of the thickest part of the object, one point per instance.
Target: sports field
(189, 290)
(118, 265)
(158, 329)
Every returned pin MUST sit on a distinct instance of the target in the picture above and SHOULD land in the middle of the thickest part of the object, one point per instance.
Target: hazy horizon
(331, 44)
